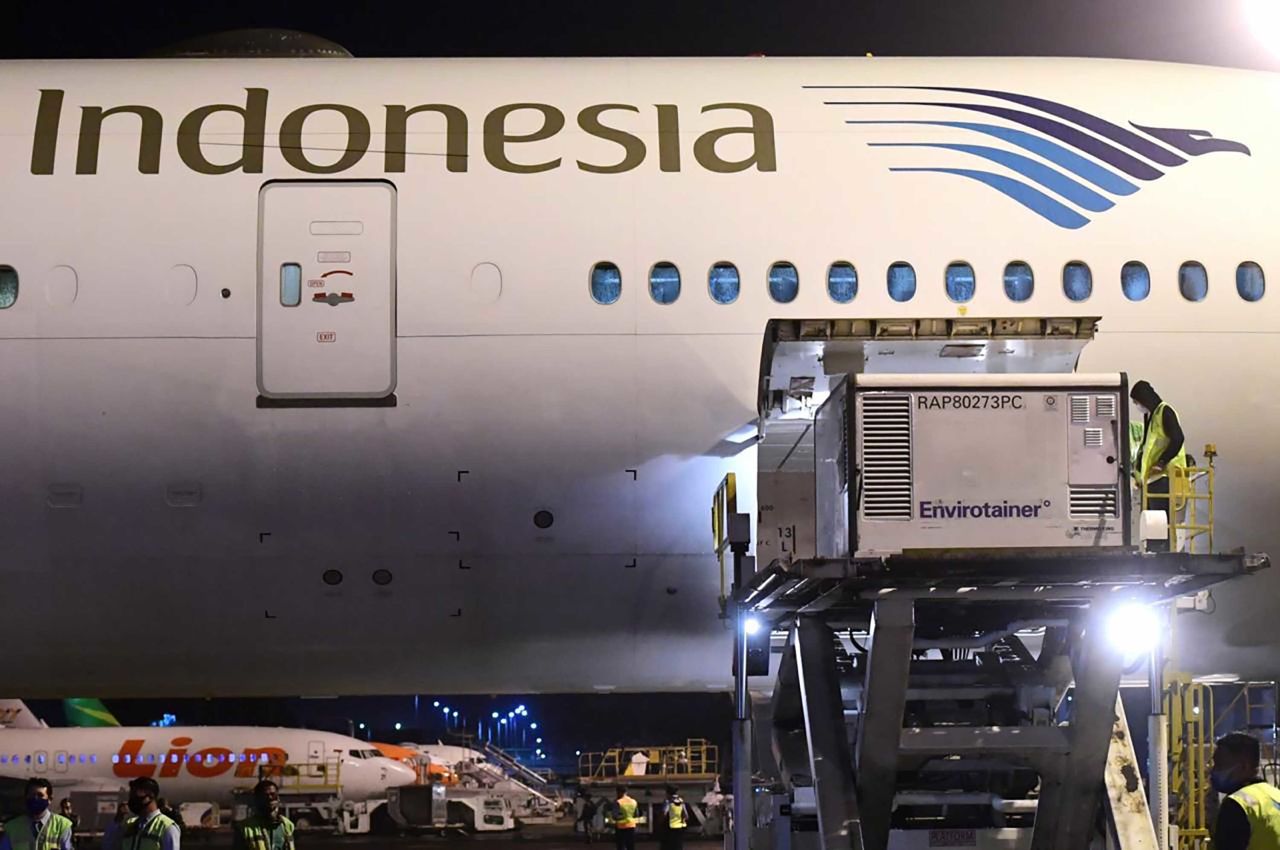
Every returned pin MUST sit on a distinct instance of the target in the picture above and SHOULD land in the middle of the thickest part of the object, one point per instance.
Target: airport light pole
(739, 543)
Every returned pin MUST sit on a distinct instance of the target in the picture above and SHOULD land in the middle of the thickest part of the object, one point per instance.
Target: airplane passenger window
(960, 282)
(723, 283)
(1019, 283)
(902, 282)
(842, 282)
(606, 283)
(1135, 280)
(1077, 281)
(1250, 282)
(1193, 281)
(664, 283)
(8, 287)
(784, 282)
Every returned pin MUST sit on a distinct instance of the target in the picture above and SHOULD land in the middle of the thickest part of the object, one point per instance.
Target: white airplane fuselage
(196, 763)
(200, 482)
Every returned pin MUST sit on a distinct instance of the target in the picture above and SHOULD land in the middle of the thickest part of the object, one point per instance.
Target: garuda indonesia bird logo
(1068, 163)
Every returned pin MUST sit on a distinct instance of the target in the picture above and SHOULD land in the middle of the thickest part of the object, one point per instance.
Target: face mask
(139, 805)
(1222, 782)
(36, 806)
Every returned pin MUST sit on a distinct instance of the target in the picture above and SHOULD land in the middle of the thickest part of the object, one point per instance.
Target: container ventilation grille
(1106, 406)
(1079, 409)
(1093, 438)
(886, 456)
(1094, 502)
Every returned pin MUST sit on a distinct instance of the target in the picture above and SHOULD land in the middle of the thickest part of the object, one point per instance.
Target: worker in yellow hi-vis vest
(1249, 818)
(624, 814)
(675, 821)
(1159, 456)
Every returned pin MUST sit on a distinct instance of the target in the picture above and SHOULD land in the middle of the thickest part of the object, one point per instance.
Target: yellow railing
(1190, 501)
(305, 777)
(695, 759)
(1189, 707)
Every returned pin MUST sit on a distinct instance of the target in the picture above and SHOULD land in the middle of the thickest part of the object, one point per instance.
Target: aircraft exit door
(326, 289)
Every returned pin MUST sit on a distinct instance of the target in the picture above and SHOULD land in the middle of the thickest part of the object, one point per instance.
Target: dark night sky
(1206, 31)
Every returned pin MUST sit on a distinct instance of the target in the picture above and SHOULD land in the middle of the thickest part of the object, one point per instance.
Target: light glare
(1133, 629)
(1263, 19)
(751, 626)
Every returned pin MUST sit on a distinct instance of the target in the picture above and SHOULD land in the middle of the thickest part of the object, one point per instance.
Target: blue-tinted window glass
(8, 287)
(842, 282)
(1193, 281)
(723, 283)
(62, 758)
(960, 282)
(1135, 280)
(664, 283)
(40, 758)
(1077, 281)
(902, 282)
(606, 283)
(1019, 283)
(290, 285)
(1250, 282)
(784, 282)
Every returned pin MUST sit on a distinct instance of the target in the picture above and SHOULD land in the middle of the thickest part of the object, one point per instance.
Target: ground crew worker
(39, 828)
(68, 811)
(267, 828)
(148, 828)
(675, 820)
(1249, 818)
(1160, 452)
(586, 814)
(624, 815)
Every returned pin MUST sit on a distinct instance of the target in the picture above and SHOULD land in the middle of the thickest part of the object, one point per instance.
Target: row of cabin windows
(724, 282)
(127, 758)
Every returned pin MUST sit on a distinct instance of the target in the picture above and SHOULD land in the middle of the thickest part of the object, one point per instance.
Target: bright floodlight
(495, 715)
(1134, 629)
(520, 708)
(1263, 18)
(751, 626)
(533, 725)
(435, 703)
(503, 721)
(455, 713)
(397, 727)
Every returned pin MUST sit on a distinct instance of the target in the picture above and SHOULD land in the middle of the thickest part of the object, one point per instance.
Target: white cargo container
(928, 462)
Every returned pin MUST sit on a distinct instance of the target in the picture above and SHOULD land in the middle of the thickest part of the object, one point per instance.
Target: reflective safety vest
(259, 833)
(18, 831)
(1261, 804)
(148, 838)
(624, 812)
(1154, 446)
(675, 816)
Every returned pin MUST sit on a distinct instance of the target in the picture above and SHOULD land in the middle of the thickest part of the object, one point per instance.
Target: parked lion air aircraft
(419, 375)
(191, 763)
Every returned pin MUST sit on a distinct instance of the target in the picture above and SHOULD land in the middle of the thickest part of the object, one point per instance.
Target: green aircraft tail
(88, 713)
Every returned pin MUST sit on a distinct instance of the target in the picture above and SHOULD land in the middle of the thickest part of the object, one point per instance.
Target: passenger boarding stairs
(529, 793)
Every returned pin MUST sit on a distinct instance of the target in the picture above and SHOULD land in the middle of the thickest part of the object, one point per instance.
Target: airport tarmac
(452, 842)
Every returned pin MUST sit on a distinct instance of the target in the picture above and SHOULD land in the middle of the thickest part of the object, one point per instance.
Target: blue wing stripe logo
(1054, 181)
(1031, 198)
(1054, 154)
(1086, 169)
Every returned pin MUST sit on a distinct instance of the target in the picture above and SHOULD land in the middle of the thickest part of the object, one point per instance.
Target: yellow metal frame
(1189, 707)
(723, 505)
(305, 777)
(1190, 505)
(697, 758)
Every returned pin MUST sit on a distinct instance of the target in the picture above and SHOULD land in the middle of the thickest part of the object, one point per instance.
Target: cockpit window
(364, 754)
